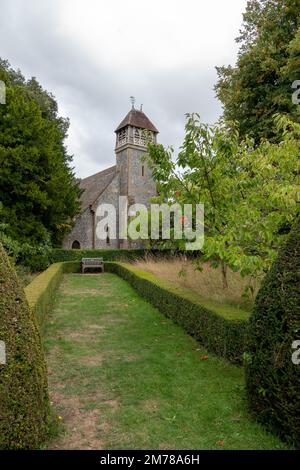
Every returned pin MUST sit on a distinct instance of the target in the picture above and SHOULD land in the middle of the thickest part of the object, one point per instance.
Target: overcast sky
(93, 55)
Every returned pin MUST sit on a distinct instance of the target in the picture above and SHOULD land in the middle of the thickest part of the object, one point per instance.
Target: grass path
(123, 376)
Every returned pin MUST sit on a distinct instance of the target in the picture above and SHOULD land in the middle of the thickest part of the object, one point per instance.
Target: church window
(143, 170)
(107, 236)
(143, 138)
(122, 136)
(136, 136)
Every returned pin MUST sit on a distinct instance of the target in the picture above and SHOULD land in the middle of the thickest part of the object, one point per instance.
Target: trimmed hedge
(273, 381)
(215, 329)
(24, 404)
(58, 254)
(40, 292)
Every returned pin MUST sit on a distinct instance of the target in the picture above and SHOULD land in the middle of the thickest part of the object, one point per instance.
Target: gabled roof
(137, 119)
(94, 185)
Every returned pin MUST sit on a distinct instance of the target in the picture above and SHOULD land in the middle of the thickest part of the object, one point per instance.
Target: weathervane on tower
(132, 99)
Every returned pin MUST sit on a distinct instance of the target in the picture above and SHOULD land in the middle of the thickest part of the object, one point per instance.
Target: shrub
(12, 247)
(222, 331)
(36, 258)
(273, 381)
(24, 405)
(40, 292)
(36, 262)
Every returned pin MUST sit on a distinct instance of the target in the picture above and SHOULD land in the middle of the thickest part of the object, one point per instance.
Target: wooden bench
(92, 263)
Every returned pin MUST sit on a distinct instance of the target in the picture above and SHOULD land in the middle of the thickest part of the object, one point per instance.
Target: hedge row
(222, 329)
(24, 403)
(272, 376)
(40, 292)
(225, 337)
(58, 254)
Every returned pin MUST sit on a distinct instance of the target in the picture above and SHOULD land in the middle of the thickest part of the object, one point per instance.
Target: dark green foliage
(58, 255)
(273, 381)
(38, 189)
(36, 258)
(226, 338)
(36, 262)
(260, 84)
(292, 67)
(24, 404)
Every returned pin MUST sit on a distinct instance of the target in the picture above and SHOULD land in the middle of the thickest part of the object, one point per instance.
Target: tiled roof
(94, 185)
(137, 119)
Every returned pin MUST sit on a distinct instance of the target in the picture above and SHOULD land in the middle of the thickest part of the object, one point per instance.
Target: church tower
(130, 177)
(132, 136)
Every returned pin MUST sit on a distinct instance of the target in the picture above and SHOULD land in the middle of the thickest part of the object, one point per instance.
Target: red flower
(183, 219)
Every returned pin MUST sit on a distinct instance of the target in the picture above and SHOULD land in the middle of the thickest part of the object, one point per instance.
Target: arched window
(75, 245)
(136, 136)
(107, 236)
(143, 170)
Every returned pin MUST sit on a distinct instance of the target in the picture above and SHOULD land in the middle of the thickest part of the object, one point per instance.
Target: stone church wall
(122, 166)
(82, 231)
(141, 186)
(109, 196)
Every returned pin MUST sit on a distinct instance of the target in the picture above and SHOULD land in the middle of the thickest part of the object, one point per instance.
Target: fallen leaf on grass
(171, 419)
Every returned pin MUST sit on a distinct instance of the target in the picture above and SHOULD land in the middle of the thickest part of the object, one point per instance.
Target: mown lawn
(123, 376)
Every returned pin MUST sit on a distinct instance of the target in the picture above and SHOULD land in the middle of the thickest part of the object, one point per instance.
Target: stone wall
(122, 168)
(134, 180)
(109, 196)
(82, 231)
(135, 175)
(141, 184)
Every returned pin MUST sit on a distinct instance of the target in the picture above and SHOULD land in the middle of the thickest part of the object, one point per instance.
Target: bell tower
(132, 137)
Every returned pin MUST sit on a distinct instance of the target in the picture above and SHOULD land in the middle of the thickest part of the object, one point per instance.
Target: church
(130, 177)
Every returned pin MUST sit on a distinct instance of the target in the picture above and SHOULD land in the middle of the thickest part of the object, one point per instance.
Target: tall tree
(259, 86)
(292, 67)
(38, 190)
(250, 193)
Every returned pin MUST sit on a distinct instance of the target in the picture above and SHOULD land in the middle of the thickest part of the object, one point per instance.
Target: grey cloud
(96, 97)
